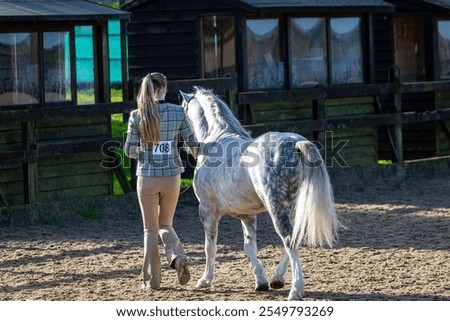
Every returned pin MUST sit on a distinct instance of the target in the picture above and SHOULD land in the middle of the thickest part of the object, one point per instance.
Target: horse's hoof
(202, 284)
(262, 287)
(276, 284)
(295, 296)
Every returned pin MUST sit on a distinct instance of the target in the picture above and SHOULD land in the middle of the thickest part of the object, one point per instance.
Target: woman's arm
(131, 148)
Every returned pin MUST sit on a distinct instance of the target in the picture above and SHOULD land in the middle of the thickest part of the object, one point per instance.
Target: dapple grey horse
(281, 173)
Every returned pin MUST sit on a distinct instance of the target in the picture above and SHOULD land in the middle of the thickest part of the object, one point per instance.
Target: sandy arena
(396, 247)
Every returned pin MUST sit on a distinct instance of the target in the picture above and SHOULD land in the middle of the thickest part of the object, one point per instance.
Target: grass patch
(118, 126)
(385, 162)
(91, 214)
(186, 182)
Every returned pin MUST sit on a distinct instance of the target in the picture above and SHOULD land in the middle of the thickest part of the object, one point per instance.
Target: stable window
(346, 54)
(218, 46)
(19, 78)
(265, 63)
(85, 64)
(325, 50)
(444, 49)
(308, 51)
(57, 72)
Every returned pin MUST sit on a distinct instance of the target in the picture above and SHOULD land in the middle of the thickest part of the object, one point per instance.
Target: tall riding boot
(152, 263)
(176, 257)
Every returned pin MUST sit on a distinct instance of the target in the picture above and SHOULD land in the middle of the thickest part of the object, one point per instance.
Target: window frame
(72, 60)
(438, 70)
(282, 36)
(69, 26)
(201, 40)
(328, 60)
(33, 51)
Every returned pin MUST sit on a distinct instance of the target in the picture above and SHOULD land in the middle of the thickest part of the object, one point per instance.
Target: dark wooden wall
(65, 174)
(419, 140)
(164, 36)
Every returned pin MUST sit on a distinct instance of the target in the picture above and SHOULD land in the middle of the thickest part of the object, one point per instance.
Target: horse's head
(210, 116)
(195, 113)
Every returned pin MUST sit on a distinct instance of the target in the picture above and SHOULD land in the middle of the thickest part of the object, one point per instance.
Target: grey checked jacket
(163, 159)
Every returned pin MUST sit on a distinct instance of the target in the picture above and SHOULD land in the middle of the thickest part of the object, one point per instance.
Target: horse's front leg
(210, 226)
(250, 248)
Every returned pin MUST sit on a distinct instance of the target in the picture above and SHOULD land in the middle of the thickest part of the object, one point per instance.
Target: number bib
(163, 147)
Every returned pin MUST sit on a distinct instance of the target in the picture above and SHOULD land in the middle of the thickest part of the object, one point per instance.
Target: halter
(184, 99)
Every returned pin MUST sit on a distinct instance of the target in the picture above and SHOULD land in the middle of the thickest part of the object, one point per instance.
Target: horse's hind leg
(298, 283)
(277, 281)
(250, 248)
(284, 229)
(210, 226)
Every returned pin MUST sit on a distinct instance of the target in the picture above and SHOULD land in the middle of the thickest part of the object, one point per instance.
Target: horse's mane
(224, 118)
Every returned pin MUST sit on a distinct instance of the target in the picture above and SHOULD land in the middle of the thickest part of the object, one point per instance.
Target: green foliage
(185, 183)
(118, 127)
(384, 162)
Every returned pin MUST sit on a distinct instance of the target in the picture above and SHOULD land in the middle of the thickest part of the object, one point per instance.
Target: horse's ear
(185, 98)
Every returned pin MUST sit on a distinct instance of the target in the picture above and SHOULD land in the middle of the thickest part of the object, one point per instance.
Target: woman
(153, 139)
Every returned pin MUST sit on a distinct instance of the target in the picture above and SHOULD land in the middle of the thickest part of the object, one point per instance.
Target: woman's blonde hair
(148, 107)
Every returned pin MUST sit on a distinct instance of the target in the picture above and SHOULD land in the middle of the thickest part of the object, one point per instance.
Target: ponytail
(148, 107)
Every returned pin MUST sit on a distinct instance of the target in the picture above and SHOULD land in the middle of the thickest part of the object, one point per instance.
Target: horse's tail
(314, 217)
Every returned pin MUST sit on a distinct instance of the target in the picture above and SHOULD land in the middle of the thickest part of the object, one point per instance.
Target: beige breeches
(158, 197)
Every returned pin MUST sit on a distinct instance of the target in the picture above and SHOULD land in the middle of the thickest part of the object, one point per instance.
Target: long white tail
(314, 217)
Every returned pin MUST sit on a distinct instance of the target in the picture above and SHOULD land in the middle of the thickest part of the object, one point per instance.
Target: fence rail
(31, 151)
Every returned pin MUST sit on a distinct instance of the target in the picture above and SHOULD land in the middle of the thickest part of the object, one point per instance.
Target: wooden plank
(337, 102)
(75, 147)
(64, 112)
(356, 90)
(12, 188)
(74, 132)
(279, 111)
(319, 92)
(10, 134)
(64, 166)
(349, 110)
(11, 173)
(84, 191)
(354, 121)
(77, 121)
(20, 157)
(215, 83)
(425, 86)
(68, 182)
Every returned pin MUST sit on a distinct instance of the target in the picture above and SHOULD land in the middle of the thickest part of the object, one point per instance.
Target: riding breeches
(158, 197)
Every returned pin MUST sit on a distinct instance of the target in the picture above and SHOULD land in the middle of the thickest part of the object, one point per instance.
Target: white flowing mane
(221, 121)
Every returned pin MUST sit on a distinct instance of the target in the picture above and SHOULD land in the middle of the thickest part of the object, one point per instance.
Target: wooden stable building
(50, 137)
(415, 39)
(354, 73)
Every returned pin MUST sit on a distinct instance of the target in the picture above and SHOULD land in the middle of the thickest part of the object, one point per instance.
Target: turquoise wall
(84, 52)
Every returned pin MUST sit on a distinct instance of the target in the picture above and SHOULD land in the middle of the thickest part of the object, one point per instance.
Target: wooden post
(30, 175)
(398, 132)
(319, 136)
(3, 201)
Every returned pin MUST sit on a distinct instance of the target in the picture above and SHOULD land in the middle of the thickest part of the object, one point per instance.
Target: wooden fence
(28, 151)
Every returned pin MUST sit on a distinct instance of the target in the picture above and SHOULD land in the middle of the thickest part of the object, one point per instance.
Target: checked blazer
(163, 158)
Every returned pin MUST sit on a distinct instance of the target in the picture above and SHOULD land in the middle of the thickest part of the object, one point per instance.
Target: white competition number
(162, 148)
